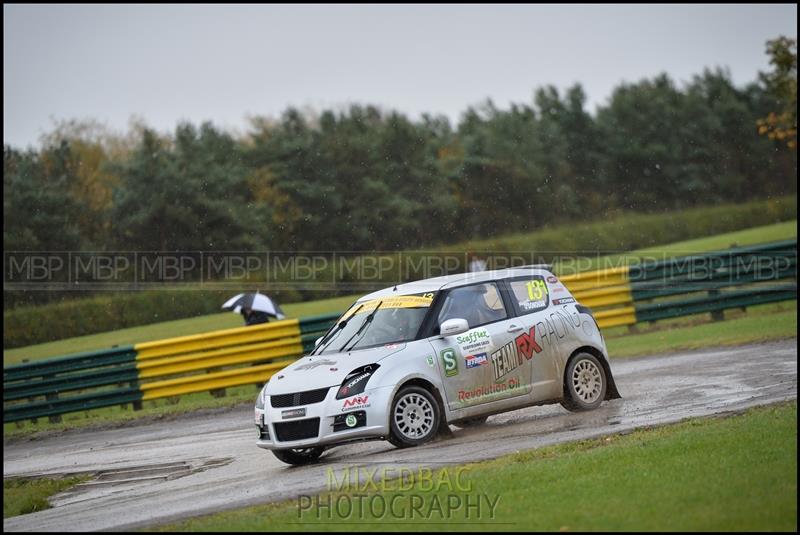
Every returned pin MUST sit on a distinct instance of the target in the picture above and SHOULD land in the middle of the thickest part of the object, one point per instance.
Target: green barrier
(713, 303)
(78, 361)
(125, 373)
(318, 323)
(84, 402)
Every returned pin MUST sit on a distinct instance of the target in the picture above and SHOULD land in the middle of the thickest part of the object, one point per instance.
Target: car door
(539, 341)
(480, 365)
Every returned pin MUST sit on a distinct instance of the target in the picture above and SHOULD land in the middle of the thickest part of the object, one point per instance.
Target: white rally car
(404, 362)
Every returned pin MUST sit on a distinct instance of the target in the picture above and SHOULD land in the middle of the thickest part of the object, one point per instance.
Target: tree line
(364, 178)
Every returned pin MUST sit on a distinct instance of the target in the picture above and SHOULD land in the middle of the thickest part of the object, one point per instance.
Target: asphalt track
(160, 472)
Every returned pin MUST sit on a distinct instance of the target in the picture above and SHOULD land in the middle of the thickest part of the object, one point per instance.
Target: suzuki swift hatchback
(403, 362)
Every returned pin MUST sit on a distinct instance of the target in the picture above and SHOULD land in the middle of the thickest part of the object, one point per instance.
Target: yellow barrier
(216, 339)
(616, 317)
(221, 357)
(210, 381)
(278, 343)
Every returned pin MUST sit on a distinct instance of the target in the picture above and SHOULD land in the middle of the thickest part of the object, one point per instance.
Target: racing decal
(474, 341)
(293, 413)
(400, 301)
(430, 361)
(552, 280)
(314, 364)
(537, 289)
(343, 391)
(505, 360)
(485, 392)
(526, 343)
(564, 301)
(355, 402)
(473, 361)
(531, 295)
(449, 362)
(351, 420)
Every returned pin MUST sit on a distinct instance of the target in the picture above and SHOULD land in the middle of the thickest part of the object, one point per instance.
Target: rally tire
(471, 422)
(414, 417)
(585, 383)
(299, 456)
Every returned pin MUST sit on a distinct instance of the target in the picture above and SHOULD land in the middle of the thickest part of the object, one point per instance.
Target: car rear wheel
(299, 456)
(414, 417)
(585, 383)
(471, 422)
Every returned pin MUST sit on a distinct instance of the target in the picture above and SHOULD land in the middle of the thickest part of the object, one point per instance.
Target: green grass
(759, 324)
(167, 329)
(737, 473)
(22, 495)
(740, 238)
(768, 233)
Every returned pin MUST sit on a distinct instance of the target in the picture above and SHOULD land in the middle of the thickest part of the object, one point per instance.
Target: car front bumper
(332, 413)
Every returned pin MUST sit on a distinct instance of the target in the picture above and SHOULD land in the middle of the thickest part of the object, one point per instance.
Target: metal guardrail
(152, 370)
(709, 282)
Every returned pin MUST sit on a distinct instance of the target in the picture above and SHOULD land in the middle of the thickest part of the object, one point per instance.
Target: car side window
(530, 294)
(478, 304)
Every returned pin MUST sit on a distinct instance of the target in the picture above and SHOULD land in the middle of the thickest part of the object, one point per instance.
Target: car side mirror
(453, 327)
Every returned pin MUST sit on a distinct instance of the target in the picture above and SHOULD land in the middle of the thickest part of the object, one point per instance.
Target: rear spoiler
(546, 267)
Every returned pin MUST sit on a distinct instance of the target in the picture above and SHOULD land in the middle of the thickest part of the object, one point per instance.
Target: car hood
(319, 371)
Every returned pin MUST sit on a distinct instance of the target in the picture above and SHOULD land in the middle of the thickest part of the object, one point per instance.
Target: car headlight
(356, 381)
(262, 396)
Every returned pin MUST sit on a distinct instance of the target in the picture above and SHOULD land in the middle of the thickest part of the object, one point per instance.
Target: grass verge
(736, 473)
(23, 495)
(758, 324)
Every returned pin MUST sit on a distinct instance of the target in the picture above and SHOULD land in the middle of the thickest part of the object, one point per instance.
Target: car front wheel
(585, 383)
(414, 417)
(298, 456)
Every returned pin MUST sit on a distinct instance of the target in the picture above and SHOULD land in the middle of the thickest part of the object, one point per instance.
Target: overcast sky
(223, 63)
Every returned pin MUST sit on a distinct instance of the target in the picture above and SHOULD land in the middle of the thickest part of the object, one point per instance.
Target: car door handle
(514, 328)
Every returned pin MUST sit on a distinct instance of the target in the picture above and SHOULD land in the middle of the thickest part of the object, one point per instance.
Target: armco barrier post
(219, 392)
(716, 315)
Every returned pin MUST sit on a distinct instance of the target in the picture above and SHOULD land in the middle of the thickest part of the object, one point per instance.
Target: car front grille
(299, 398)
(297, 430)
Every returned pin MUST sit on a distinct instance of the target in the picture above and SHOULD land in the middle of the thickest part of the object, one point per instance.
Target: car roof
(453, 281)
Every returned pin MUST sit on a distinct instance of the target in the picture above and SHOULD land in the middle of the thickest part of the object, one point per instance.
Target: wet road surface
(160, 472)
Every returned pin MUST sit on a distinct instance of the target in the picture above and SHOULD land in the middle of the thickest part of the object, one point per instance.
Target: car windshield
(393, 320)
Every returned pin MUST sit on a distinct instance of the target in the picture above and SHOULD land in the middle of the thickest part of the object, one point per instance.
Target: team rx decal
(526, 343)
(563, 301)
(473, 361)
(449, 362)
(505, 360)
(355, 402)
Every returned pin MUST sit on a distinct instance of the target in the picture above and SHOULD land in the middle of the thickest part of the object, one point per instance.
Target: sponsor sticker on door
(449, 362)
(473, 361)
